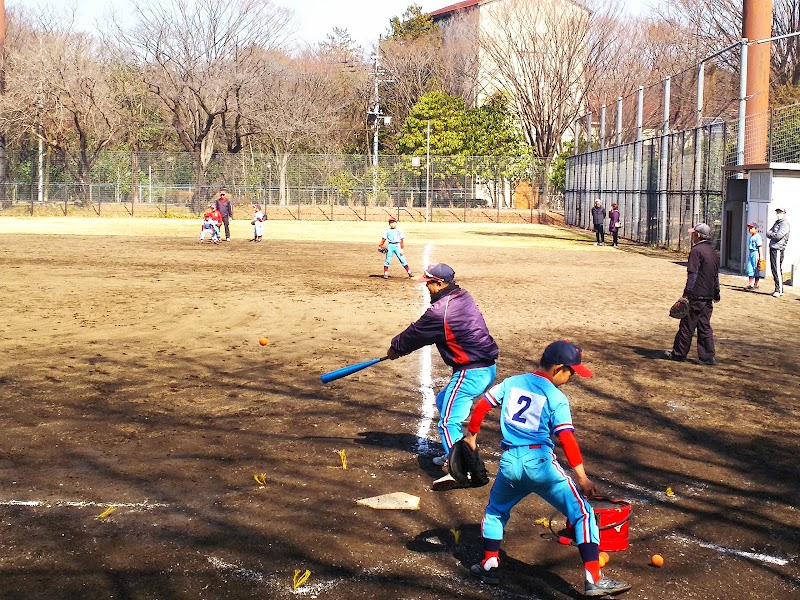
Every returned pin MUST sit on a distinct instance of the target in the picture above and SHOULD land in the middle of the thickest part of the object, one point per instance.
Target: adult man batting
(454, 323)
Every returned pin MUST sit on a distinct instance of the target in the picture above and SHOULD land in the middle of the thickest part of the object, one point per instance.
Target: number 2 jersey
(534, 410)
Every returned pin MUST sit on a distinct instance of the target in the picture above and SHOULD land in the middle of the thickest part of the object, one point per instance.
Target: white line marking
(306, 589)
(428, 407)
(751, 555)
(83, 504)
(237, 570)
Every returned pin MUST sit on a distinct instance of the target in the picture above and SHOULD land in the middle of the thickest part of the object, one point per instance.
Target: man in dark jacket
(778, 236)
(598, 219)
(702, 290)
(454, 323)
(225, 208)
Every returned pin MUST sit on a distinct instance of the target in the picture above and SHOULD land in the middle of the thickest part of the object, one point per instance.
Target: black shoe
(491, 576)
(670, 355)
(710, 362)
(605, 587)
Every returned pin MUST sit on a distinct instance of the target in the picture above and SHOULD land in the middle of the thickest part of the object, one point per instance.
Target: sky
(314, 19)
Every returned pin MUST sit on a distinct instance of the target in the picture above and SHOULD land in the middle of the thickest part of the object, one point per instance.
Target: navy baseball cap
(439, 272)
(567, 354)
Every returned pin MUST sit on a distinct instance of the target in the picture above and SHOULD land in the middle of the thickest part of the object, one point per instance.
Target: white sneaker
(777, 294)
(440, 460)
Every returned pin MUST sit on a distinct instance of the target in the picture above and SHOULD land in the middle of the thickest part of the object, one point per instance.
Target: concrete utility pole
(377, 118)
(757, 25)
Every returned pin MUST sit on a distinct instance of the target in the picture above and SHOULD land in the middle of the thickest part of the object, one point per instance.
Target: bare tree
(197, 58)
(296, 106)
(57, 91)
(353, 79)
(546, 55)
(412, 68)
(459, 57)
(715, 24)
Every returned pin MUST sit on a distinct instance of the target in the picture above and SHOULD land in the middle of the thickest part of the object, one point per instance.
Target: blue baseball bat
(345, 371)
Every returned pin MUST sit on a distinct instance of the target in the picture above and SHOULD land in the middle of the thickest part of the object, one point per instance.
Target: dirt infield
(133, 380)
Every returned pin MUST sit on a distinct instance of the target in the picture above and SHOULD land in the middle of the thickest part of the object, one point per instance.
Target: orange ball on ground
(657, 560)
(604, 558)
(263, 341)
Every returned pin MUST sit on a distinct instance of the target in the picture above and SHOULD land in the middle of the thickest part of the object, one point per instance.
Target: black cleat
(491, 577)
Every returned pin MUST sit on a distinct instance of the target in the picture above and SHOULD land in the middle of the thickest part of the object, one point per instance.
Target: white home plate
(393, 501)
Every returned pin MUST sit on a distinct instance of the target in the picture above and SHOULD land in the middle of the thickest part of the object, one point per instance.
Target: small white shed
(754, 199)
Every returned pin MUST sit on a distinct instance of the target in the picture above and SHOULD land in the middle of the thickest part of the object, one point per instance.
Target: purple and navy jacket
(455, 324)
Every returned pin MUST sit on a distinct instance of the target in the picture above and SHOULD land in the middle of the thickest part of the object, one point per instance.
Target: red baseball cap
(567, 354)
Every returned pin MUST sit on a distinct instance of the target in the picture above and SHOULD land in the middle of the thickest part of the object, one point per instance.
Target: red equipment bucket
(612, 519)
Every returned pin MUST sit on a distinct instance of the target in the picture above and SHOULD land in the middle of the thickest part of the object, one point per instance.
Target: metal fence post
(663, 165)
(638, 157)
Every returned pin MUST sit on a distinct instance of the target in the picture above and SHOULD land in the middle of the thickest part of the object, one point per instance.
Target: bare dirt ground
(133, 380)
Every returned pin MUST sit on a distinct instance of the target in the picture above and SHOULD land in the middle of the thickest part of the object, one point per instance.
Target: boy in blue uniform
(754, 246)
(394, 240)
(534, 409)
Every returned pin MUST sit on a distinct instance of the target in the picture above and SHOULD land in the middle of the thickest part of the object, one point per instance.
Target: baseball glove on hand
(383, 250)
(680, 309)
(466, 466)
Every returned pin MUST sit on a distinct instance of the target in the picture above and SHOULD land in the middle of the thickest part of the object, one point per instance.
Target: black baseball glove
(383, 250)
(680, 309)
(466, 466)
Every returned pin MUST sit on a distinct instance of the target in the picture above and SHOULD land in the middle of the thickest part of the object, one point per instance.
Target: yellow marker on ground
(300, 579)
(343, 456)
(261, 479)
(456, 535)
(106, 512)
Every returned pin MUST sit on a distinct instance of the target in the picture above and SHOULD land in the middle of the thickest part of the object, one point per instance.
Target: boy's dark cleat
(710, 362)
(491, 576)
(604, 587)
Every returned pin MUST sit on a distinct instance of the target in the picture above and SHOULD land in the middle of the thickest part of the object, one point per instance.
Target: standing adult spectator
(599, 221)
(614, 223)
(225, 208)
(701, 290)
(455, 324)
(778, 236)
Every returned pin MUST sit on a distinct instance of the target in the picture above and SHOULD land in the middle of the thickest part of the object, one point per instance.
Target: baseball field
(151, 448)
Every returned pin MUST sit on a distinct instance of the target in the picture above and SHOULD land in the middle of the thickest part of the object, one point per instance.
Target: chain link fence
(661, 195)
(307, 187)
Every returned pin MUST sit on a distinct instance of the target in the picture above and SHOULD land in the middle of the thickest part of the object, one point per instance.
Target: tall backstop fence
(659, 153)
(308, 187)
